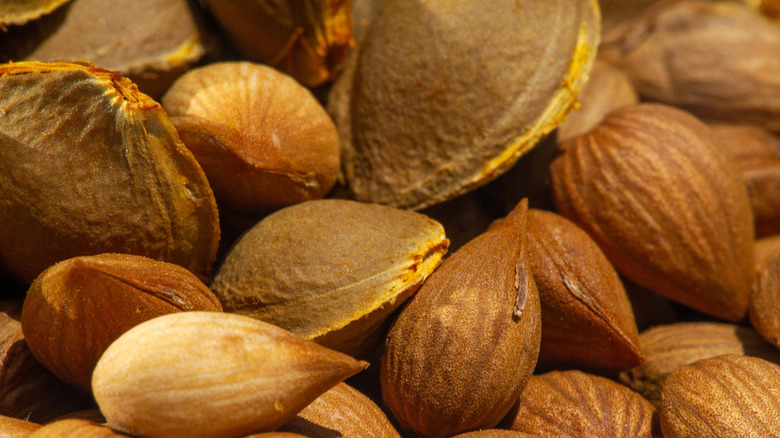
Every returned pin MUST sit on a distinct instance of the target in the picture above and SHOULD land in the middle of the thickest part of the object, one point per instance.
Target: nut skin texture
(764, 248)
(133, 187)
(723, 396)
(75, 309)
(765, 300)
(16, 428)
(16, 12)
(345, 411)
(668, 347)
(664, 205)
(575, 404)
(251, 376)
(460, 352)
(276, 149)
(446, 95)
(587, 320)
(494, 433)
(330, 270)
(27, 389)
(672, 50)
(607, 89)
(76, 428)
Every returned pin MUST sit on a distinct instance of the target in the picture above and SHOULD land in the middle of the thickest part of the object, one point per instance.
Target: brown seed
(78, 307)
(276, 149)
(160, 40)
(345, 411)
(76, 428)
(587, 320)
(765, 300)
(668, 210)
(90, 165)
(306, 39)
(460, 352)
(330, 270)
(608, 88)
(575, 404)
(15, 12)
(494, 433)
(764, 248)
(447, 95)
(250, 376)
(671, 52)
(729, 395)
(27, 389)
(672, 346)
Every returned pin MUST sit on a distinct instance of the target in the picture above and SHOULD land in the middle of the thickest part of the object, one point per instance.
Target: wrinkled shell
(587, 320)
(307, 39)
(446, 95)
(75, 309)
(21, 11)
(90, 165)
(724, 396)
(716, 59)
(666, 207)
(150, 41)
(252, 376)
(27, 389)
(277, 148)
(671, 346)
(765, 300)
(74, 428)
(574, 404)
(345, 411)
(608, 88)
(460, 352)
(330, 270)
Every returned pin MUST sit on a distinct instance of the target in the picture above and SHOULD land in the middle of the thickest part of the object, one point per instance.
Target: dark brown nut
(330, 270)
(307, 39)
(587, 320)
(574, 404)
(75, 309)
(716, 59)
(27, 389)
(254, 378)
(446, 96)
(671, 346)
(276, 149)
(723, 396)
(667, 208)
(345, 411)
(460, 352)
(607, 89)
(89, 165)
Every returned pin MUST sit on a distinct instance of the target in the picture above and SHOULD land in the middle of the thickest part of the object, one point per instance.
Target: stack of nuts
(400, 218)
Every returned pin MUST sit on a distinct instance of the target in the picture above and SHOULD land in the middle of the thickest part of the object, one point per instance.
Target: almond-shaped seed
(27, 389)
(671, 346)
(90, 165)
(276, 149)
(76, 428)
(460, 352)
(75, 309)
(587, 320)
(447, 95)
(343, 410)
(723, 396)
(330, 270)
(210, 374)
(575, 404)
(665, 206)
(494, 433)
(765, 300)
